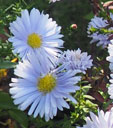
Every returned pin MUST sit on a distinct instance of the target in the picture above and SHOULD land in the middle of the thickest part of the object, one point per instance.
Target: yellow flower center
(34, 40)
(46, 84)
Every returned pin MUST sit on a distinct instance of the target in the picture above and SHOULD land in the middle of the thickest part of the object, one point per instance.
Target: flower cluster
(45, 76)
(99, 31)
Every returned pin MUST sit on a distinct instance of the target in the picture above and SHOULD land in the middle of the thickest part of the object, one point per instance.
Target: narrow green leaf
(86, 87)
(7, 65)
(20, 117)
(6, 101)
(90, 103)
(89, 97)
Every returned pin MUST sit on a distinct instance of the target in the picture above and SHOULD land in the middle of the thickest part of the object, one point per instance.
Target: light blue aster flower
(100, 39)
(76, 60)
(97, 22)
(36, 33)
(41, 89)
(110, 57)
(103, 120)
(110, 88)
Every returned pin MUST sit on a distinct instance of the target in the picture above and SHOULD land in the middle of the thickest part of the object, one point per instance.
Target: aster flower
(41, 89)
(97, 22)
(101, 39)
(75, 60)
(103, 120)
(36, 33)
(110, 57)
(110, 88)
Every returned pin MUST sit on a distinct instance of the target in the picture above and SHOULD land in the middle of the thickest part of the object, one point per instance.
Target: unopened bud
(74, 26)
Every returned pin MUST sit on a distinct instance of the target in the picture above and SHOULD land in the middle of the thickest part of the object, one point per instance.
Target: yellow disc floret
(34, 40)
(46, 84)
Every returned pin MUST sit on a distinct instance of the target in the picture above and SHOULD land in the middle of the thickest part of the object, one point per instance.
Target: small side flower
(76, 60)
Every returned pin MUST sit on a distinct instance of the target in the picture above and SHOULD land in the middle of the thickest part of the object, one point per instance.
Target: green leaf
(89, 97)
(106, 104)
(6, 101)
(90, 103)
(7, 65)
(86, 87)
(20, 117)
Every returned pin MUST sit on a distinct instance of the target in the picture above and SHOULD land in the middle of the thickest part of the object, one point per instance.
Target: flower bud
(74, 26)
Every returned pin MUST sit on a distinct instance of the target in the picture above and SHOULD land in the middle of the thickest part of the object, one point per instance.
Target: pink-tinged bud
(74, 26)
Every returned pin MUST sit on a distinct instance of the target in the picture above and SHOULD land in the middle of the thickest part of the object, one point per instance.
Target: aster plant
(47, 79)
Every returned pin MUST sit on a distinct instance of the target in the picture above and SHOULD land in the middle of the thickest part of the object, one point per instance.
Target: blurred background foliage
(93, 92)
